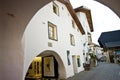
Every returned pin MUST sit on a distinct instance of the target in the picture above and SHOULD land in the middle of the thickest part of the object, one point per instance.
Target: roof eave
(73, 14)
(88, 14)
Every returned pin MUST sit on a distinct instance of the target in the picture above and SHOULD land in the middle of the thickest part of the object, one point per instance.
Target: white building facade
(84, 15)
(54, 37)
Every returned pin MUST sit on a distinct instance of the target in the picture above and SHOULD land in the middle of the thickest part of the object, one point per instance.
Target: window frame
(78, 61)
(73, 24)
(68, 58)
(52, 34)
(72, 40)
(55, 8)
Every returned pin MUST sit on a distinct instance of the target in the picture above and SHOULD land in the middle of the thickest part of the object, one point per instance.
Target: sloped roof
(73, 14)
(110, 39)
(88, 14)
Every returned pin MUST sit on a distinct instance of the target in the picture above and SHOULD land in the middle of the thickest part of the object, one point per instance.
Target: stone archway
(14, 17)
(61, 67)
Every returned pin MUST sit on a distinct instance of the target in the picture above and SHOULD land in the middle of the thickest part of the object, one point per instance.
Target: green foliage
(93, 56)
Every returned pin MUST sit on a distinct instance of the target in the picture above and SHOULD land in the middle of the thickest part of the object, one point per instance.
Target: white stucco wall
(36, 37)
(83, 19)
(84, 22)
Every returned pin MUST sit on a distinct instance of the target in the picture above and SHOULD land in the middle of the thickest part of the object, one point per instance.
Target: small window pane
(78, 61)
(52, 31)
(73, 24)
(55, 9)
(68, 57)
(72, 41)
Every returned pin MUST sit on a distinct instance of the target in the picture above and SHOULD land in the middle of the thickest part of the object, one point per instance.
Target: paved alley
(103, 71)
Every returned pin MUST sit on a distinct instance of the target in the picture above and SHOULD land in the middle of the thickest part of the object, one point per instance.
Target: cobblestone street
(103, 71)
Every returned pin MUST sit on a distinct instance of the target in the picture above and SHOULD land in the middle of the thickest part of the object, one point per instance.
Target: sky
(104, 19)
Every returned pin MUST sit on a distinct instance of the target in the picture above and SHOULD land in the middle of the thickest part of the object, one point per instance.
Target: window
(68, 57)
(89, 39)
(86, 59)
(55, 9)
(73, 24)
(72, 40)
(78, 61)
(52, 31)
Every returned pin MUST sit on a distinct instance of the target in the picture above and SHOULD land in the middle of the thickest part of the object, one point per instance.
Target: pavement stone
(104, 71)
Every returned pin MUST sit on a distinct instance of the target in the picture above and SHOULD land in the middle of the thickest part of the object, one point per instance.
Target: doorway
(35, 69)
(43, 68)
(50, 67)
(47, 65)
(74, 64)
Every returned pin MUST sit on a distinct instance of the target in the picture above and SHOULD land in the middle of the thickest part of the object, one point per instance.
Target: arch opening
(46, 65)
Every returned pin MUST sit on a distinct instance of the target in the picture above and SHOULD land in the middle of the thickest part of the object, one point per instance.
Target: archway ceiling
(112, 4)
(19, 12)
